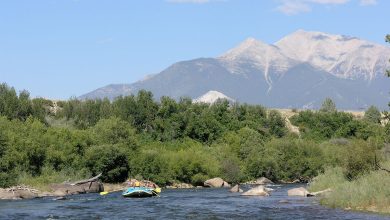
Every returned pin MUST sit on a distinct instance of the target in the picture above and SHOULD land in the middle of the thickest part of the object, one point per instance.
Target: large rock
(216, 183)
(25, 194)
(257, 191)
(263, 181)
(92, 185)
(68, 189)
(298, 192)
(17, 194)
(236, 188)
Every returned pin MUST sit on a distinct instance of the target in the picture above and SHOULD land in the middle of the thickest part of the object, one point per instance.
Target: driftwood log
(379, 167)
(93, 179)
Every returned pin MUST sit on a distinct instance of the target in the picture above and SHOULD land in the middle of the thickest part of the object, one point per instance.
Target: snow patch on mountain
(259, 54)
(266, 58)
(343, 56)
(211, 97)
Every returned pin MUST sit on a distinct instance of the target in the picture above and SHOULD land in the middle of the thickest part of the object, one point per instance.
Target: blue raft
(140, 192)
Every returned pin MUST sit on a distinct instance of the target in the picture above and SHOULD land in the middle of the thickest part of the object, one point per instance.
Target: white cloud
(368, 2)
(189, 1)
(292, 7)
(329, 1)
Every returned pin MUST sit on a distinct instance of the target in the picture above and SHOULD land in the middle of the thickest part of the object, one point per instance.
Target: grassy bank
(50, 176)
(369, 192)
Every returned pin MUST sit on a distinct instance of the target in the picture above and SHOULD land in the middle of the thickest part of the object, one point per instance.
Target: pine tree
(328, 106)
(373, 115)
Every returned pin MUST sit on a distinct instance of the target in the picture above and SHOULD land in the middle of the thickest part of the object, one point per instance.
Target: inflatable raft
(141, 192)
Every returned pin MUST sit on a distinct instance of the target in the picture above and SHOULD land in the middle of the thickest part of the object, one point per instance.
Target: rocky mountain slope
(299, 71)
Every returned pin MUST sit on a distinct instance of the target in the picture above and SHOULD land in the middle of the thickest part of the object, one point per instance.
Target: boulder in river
(236, 188)
(257, 191)
(298, 192)
(263, 181)
(216, 183)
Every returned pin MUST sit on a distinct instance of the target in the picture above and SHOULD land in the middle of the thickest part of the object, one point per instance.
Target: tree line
(170, 141)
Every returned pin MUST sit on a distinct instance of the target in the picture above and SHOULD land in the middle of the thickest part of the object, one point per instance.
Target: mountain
(211, 97)
(343, 56)
(298, 71)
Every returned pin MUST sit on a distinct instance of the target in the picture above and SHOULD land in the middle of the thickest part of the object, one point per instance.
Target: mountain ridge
(297, 71)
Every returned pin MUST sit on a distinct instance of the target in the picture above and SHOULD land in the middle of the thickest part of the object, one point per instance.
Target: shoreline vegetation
(179, 142)
(369, 192)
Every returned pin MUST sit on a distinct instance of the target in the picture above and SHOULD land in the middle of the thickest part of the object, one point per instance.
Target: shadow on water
(178, 204)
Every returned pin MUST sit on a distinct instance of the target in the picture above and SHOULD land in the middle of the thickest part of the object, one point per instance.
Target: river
(179, 204)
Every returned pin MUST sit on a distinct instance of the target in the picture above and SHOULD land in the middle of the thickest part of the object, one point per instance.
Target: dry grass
(370, 192)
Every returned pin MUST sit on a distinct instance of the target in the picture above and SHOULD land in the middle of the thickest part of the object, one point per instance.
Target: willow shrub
(286, 159)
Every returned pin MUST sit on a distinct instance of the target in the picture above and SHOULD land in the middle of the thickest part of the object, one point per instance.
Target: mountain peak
(252, 50)
(246, 49)
(259, 55)
(251, 42)
(343, 56)
(318, 36)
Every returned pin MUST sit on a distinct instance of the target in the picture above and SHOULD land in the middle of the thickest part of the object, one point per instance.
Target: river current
(179, 204)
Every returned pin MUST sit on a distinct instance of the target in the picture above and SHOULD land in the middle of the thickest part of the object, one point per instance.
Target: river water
(178, 204)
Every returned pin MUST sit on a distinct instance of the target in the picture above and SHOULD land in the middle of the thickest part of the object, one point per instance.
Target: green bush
(114, 131)
(286, 159)
(231, 171)
(277, 125)
(356, 157)
(373, 115)
(152, 165)
(8, 178)
(320, 125)
(328, 106)
(191, 162)
(360, 159)
(110, 160)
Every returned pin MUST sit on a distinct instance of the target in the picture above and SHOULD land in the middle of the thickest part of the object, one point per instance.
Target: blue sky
(63, 48)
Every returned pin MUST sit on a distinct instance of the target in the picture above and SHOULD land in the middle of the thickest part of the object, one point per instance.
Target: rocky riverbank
(93, 185)
(56, 190)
